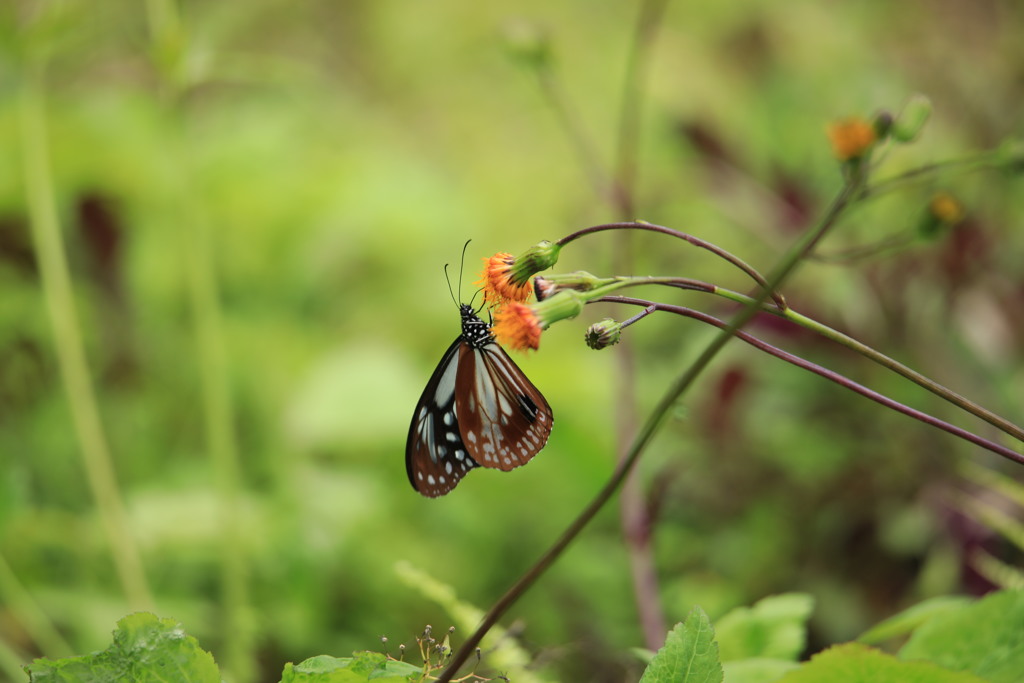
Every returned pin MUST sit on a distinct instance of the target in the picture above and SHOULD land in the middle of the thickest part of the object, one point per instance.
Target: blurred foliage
(338, 154)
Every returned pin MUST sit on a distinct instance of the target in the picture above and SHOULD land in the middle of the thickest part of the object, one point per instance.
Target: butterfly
(478, 410)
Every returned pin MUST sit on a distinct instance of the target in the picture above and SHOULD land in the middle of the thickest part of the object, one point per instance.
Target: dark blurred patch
(974, 539)
(102, 234)
(796, 202)
(1010, 302)
(16, 245)
(792, 204)
(720, 414)
(749, 46)
(24, 375)
(710, 148)
(965, 255)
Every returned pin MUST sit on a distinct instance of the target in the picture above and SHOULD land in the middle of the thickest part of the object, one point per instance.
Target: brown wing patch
(503, 419)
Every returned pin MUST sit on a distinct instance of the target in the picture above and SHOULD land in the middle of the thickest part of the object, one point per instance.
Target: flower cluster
(506, 282)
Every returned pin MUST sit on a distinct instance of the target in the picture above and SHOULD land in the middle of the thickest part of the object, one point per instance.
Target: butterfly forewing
(435, 456)
(478, 409)
(504, 420)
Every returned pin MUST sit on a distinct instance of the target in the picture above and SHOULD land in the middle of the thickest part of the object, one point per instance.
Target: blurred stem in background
(635, 513)
(20, 603)
(618, 190)
(170, 50)
(67, 336)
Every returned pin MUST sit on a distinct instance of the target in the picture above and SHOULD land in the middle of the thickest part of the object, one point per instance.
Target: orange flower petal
(499, 282)
(851, 138)
(517, 326)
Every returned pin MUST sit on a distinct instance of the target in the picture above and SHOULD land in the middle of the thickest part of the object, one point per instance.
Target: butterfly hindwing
(435, 456)
(504, 420)
(478, 409)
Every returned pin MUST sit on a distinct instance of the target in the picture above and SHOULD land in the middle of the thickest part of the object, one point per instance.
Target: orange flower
(508, 279)
(851, 138)
(500, 281)
(517, 326)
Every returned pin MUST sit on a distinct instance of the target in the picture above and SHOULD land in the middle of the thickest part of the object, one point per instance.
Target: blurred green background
(334, 156)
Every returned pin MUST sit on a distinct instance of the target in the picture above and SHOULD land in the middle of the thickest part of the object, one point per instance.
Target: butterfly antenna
(462, 264)
(482, 304)
(449, 281)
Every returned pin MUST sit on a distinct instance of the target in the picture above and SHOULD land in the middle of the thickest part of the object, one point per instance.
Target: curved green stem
(695, 241)
(974, 162)
(67, 336)
(887, 362)
(827, 374)
(601, 287)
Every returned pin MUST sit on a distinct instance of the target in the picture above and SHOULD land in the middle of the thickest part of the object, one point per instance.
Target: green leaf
(911, 618)
(690, 654)
(145, 649)
(757, 670)
(986, 638)
(857, 663)
(362, 666)
(774, 628)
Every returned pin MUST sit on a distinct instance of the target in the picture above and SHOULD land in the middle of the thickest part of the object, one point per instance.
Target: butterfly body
(478, 410)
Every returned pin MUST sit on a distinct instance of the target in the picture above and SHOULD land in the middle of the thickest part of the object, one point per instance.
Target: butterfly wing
(503, 419)
(435, 456)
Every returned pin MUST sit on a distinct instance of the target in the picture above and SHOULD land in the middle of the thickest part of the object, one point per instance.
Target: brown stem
(777, 297)
(826, 373)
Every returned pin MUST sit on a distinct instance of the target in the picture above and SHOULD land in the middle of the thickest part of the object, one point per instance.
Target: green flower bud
(603, 334)
(911, 120)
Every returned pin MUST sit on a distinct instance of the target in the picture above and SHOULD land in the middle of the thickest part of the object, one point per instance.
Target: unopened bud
(911, 119)
(883, 124)
(603, 334)
(527, 42)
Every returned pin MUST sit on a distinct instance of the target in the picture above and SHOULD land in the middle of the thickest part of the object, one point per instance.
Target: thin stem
(648, 23)
(973, 162)
(168, 39)
(653, 423)
(218, 410)
(887, 362)
(30, 615)
(633, 510)
(606, 286)
(695, 241)
(865, 251)
(897, 367)
(638, 317)
(826, 373)
(12, 661)
(570, 121)
(74, 368)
